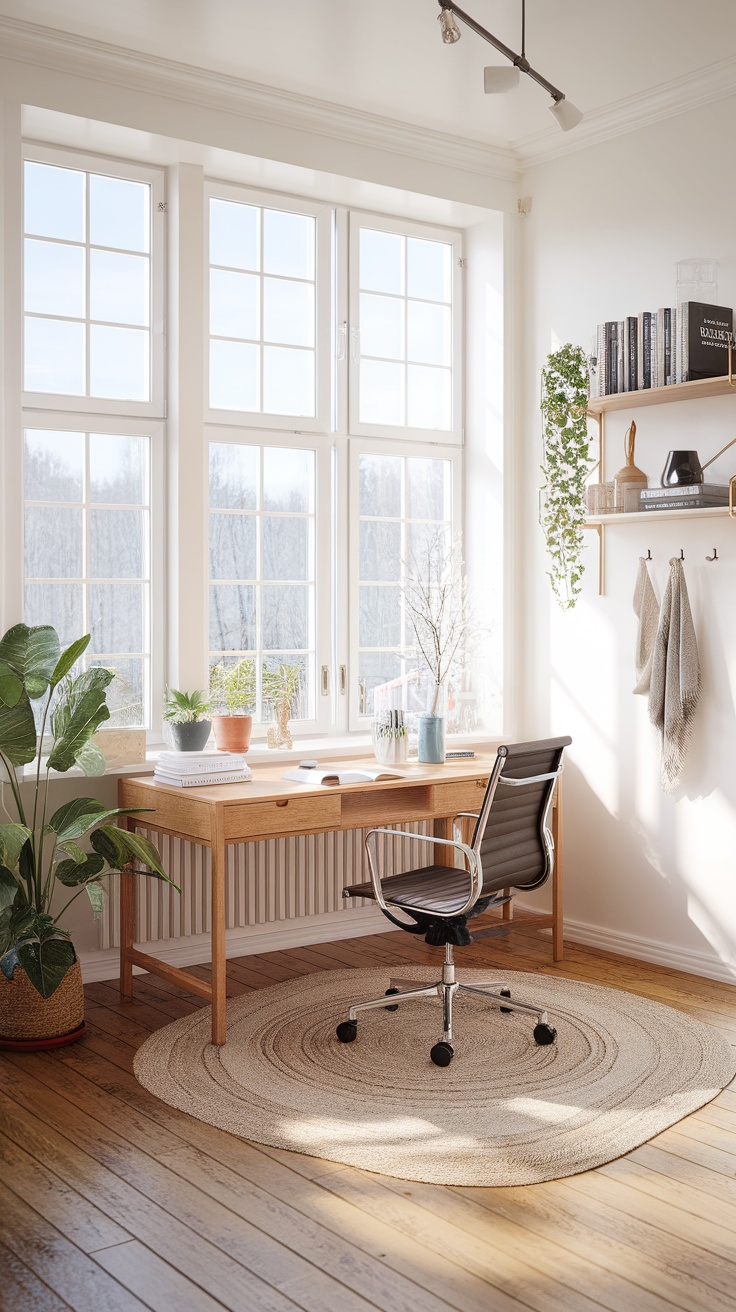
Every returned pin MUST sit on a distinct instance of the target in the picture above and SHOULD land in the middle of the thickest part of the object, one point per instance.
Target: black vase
(682, 469)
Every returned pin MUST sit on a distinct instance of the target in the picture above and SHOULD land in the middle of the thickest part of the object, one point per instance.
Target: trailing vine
(566, 466)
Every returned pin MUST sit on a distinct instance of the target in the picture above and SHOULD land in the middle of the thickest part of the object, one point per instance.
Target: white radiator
(277, 879)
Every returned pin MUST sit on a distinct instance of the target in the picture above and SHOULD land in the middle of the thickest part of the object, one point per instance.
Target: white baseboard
(659, 954)
(276, 936)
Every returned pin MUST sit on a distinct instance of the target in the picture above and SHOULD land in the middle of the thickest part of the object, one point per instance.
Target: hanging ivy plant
(566, 466)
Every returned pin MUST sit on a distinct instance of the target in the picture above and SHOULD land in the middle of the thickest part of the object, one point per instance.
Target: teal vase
(431, 739)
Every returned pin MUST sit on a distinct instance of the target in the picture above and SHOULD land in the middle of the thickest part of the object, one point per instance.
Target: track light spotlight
(567, 115)
(450, 30)
(497, 80)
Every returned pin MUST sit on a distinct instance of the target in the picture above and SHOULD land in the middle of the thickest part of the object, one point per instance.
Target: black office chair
(511, 848)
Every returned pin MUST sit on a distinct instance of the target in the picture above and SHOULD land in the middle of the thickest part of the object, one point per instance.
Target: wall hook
(648, 555)
(682, 554)
(715, 555)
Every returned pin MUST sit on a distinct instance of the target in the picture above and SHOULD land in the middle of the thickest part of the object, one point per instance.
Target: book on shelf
(338, 775)
(703, 334)
(665, 374)
(611, 356)
(717, 490)
(631, 350)
(685, 503)
(644, 345)
(201, 779)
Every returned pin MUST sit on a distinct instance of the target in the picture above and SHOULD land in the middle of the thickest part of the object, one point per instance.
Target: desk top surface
(268, 781)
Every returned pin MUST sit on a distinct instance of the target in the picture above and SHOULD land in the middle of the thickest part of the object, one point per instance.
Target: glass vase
(431, 739)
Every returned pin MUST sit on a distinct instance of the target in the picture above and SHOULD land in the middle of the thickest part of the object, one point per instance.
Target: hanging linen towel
(647, 612)
(675, 676)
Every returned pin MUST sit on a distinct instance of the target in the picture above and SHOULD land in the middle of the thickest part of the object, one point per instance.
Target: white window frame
(100, 405)
(155, 620)
(320, 724)
(324, 290)
(366, 446)
(405, 228)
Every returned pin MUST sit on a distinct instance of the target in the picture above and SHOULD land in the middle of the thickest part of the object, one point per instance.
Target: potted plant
(436, 600)
(567, 464)
(233, 692)
(281, 688)
(188, 714)
(41, 997)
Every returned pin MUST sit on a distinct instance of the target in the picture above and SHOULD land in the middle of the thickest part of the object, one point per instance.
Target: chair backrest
(510, 834)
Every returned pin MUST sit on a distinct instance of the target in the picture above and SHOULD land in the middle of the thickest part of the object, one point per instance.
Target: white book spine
(200, 780)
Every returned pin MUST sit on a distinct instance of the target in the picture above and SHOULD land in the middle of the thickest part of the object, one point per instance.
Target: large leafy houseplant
(566, 466)
(39, 852)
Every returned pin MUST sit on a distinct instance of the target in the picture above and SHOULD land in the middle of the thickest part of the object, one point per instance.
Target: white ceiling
(386, 57)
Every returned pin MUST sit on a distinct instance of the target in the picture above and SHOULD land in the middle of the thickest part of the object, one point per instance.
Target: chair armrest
(533, 779)
(468, 853)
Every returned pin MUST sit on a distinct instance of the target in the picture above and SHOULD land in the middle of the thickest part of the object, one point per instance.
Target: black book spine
(611, 341)
(647, 344)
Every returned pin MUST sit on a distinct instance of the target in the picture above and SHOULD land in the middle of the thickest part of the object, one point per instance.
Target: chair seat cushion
(433, 888)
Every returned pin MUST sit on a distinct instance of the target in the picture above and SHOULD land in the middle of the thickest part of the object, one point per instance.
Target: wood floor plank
(156, 1281)
(22, 1290)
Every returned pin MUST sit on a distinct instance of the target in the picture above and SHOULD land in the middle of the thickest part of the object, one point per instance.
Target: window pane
(288, 479)
(428, 488)
(381, 261)
(53, 542)
(429, 269)
(119, 287)
(380, 617)
(234, 310)
(376, 667)
(125, 695)
(119, 360)
(288, 312)
(53, 466)
(54, 356)
(380, 485)
(53, 279)
(380, 551)
(285, 548)
(118, 469)
(119, 213)
(232, 617)
(232, 546)
(234, 235)
(116, 544)
(58, 604)
(381, 392)
(429, 397)
(288, 244)
(382, 327)
(116, 617)
(301, 707)
(53, 201)
(233, 476)
(234, 381)
(284, 613)
(429, 333)
(425, 546)
(288, 381)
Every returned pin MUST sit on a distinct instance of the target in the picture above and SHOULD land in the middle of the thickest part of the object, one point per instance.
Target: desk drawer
(466, 795)
(288, 815)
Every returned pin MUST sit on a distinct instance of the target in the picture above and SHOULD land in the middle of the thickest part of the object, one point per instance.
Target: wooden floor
(111, 1201)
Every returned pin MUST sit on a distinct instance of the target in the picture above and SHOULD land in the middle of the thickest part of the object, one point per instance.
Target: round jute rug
(505, 1111)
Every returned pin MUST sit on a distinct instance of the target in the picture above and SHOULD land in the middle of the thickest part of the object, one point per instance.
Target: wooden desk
(269, 807)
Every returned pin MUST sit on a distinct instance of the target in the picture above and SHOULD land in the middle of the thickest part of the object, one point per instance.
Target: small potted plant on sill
(233, 693)
(281, 688)
(41, 996)
(188, 715)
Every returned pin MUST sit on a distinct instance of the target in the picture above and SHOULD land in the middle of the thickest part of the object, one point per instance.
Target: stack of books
(695, 496)
(196, 769)
(657, 348)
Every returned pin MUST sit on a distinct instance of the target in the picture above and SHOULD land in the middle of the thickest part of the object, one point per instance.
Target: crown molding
(715, 82)
(100, 61)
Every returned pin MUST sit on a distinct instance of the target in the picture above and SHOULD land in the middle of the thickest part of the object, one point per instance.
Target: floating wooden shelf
(639, 516)
(599, 405)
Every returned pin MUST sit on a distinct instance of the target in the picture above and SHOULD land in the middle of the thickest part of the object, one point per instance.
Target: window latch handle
(325, 680)
(343, 679)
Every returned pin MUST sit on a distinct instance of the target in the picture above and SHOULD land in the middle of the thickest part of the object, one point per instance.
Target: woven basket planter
(28, 1021)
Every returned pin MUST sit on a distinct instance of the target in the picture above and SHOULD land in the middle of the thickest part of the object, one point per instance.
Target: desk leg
(128, 918)
(557, 926)
(219, 980)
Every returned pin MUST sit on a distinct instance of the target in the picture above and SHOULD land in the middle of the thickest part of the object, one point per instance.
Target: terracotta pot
(28, 1021)
(232, 732)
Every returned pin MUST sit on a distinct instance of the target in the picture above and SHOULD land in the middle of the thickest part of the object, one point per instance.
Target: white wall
(646, 873)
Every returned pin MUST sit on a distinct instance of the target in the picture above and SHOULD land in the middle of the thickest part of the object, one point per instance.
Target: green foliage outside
(36, 853)
(566, 466)
(233, 687)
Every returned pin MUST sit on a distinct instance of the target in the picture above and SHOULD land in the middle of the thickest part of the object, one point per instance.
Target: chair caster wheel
(506, 993)
(544, 1034)
(442, 1053)
(395, 1006)
(347, 1031)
